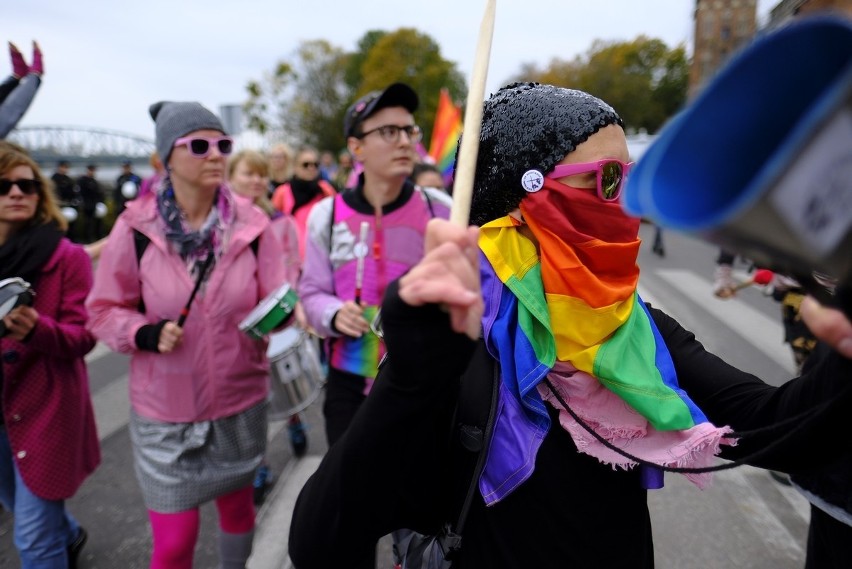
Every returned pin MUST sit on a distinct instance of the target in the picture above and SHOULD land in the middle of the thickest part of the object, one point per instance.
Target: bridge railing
(78, 145)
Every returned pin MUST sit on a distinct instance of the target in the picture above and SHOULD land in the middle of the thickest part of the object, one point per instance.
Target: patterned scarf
(572, 313)
(194, 245)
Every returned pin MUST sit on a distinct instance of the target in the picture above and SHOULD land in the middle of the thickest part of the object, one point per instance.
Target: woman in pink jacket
(48, 440)
(248, 177)
(198, 386)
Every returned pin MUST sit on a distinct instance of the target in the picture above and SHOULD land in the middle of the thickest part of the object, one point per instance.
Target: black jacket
(394, 467)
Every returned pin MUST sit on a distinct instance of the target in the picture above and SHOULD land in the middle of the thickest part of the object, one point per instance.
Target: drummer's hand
(350, 320)
(828, 324)
(171, 336)
(301, 317)
(20, 321)
(448, 274)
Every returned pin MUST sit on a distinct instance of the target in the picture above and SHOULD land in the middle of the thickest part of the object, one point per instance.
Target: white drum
(295, 372)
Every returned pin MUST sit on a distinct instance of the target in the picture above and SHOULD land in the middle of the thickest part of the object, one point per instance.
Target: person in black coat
(504, 297)
(91, 194)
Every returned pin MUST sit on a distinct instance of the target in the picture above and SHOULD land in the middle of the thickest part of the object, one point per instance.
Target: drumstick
(361, 253)
(729, 292)
(466, 163)
(185, 312)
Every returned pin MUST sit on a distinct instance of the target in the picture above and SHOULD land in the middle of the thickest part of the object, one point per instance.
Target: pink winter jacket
(218, 370)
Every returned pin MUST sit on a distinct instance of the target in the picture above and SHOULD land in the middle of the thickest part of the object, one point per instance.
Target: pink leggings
(175, 534)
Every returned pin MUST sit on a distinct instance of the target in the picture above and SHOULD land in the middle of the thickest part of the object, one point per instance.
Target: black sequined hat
(528, 126)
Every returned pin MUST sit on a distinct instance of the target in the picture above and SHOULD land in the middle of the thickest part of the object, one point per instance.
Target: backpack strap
(330, 239)
(428, 200)
(331, 224)
(140, 243)
(475, 420)
(327, 188)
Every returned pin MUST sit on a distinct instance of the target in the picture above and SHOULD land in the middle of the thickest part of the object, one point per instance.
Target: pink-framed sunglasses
(610, 174)
(199, 146)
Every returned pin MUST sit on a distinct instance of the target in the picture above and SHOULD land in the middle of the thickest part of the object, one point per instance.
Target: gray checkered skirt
(180, 466)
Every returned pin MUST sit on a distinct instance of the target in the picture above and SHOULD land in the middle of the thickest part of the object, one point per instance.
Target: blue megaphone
(761, 162)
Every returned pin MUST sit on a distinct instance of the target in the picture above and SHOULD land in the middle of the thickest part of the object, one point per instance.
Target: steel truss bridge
(81, 145)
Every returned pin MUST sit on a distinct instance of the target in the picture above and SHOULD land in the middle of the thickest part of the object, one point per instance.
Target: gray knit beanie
(528, 126)
(175, 120)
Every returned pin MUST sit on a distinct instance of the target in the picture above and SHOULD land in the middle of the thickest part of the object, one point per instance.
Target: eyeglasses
(610, 175)
(310, 164)
(27, 187)
(390, 133)
(199, 146)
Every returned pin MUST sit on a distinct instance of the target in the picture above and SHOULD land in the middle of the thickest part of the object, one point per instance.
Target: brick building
(787, 9)
(724, 26)
(721, 28)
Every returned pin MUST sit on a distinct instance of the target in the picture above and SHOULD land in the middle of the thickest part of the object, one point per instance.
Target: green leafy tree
(301, 100)
(413, 58)
(305, 99)
(644, 80)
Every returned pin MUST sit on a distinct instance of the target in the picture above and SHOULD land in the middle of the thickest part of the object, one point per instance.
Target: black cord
(803, 420)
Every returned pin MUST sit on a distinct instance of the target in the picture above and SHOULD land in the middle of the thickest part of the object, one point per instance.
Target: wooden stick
(731, 291)
(466, 164)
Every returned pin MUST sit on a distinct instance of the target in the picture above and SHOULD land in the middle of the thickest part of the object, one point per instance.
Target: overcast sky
(106, 61)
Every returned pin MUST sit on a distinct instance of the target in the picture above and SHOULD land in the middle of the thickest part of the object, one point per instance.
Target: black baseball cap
(395, 95)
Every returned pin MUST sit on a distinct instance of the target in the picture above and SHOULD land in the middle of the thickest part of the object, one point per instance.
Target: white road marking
(273, 528)
(112, 407)
(755, 510)
(99, 351)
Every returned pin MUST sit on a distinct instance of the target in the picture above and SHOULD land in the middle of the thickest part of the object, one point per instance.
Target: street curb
(273, 520)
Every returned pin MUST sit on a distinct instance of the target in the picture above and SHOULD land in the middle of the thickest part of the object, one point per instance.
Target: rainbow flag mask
(578, 303)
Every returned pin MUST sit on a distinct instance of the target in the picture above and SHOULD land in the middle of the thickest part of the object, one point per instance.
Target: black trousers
(829, 542)
(344, 394)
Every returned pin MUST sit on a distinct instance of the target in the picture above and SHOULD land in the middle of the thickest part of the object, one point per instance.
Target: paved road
(745, 520)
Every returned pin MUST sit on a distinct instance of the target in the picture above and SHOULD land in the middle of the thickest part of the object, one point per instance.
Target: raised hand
(448, 275)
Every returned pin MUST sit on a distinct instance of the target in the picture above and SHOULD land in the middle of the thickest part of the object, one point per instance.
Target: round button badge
(532, 181)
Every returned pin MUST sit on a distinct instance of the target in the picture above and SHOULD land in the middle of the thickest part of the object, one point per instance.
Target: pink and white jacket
(218, 370)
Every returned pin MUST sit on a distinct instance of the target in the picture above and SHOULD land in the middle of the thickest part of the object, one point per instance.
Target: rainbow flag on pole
(445, 134)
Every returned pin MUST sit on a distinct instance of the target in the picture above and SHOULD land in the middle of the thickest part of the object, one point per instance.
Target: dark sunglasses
(27, 187)
(610, 175)
(310, 164)
(199, 146)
